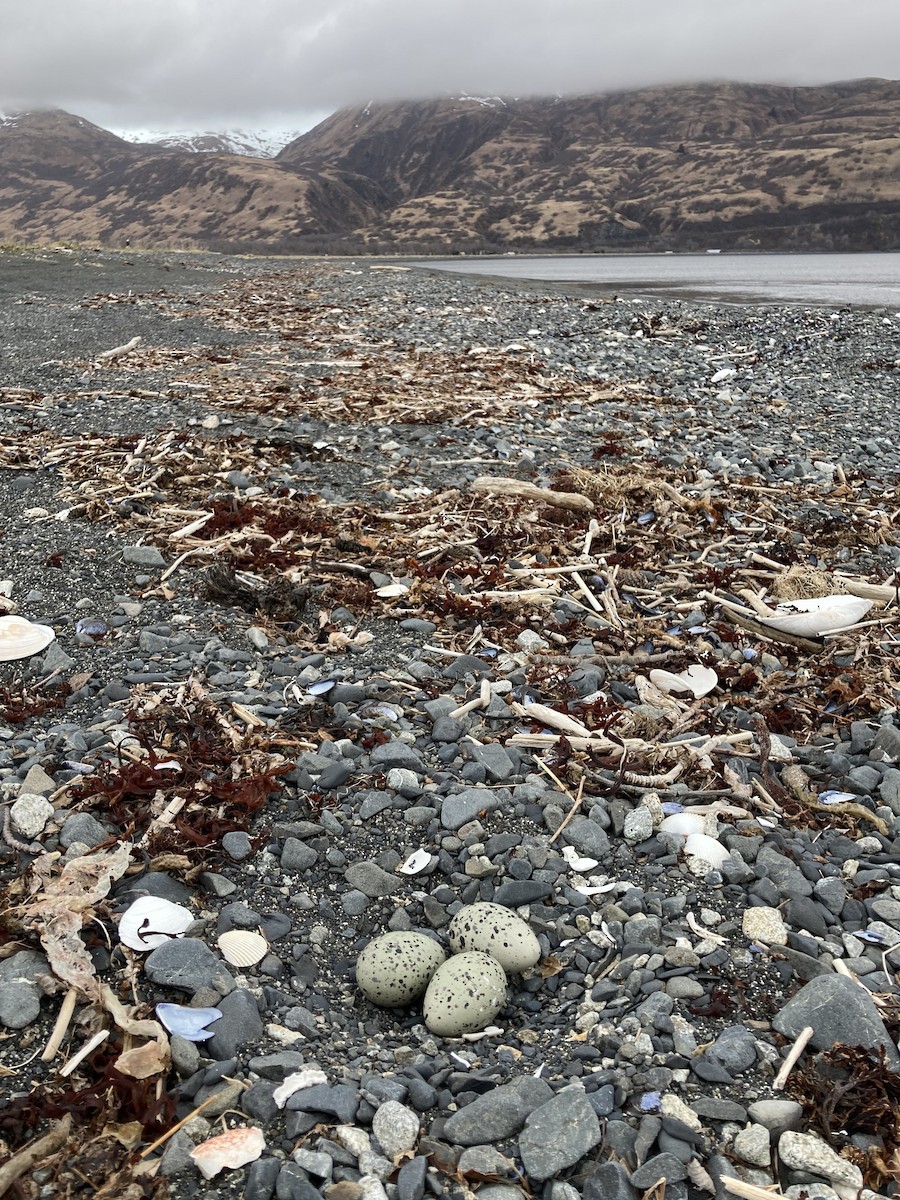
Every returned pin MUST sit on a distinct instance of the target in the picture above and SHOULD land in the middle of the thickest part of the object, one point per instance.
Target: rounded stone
(764, 925)
(30, 813)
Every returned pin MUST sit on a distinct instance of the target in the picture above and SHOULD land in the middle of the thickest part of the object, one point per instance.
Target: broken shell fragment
(812, 618)
(151, 921)
(696, 678)
(20, 638)
(242, 947)
(234, 1148)
(299, 1081)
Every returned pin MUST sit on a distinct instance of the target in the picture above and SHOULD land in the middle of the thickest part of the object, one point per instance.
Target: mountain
(710, 164)
(259, 144)
(725, 165)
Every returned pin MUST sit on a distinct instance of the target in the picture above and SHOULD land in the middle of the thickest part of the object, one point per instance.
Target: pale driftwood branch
(500, 485)
(62, 1024)
(119, 351)
(789, 1063)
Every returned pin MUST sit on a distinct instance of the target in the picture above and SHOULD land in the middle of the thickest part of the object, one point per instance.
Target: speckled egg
(498, 932)
(394, 969)
(465, 994)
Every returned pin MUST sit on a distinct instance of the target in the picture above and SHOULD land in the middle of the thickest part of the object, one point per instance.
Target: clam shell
(811, 618)
(417, 861)
(696, 679)
(151, 921)
(20, 638)
(242, 948)
(392, 591)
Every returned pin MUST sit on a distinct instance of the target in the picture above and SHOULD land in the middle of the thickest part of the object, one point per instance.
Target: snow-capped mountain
(263, 144)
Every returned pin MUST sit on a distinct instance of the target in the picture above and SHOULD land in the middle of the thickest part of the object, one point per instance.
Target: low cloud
(218, 63)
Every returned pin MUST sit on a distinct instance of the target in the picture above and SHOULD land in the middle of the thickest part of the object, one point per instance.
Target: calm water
(809, 279)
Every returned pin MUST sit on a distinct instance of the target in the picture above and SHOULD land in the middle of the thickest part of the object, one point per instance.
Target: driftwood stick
(62, 1024)
(790, 1062)
(500, 485)
(20, 1164)
(119, 351)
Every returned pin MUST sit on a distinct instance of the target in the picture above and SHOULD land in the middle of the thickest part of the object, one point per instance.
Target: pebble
(602, 1018)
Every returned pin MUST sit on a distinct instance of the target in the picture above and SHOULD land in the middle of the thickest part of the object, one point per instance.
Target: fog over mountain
(182, 64)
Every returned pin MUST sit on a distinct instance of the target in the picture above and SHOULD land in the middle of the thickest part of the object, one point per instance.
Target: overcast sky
(177, 64)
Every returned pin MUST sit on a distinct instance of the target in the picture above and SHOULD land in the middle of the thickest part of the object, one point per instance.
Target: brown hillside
(731, 165)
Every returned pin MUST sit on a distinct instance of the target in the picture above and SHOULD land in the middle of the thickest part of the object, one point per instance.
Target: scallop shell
(696, 679)
(812, 618)
(683, 824)
(242, 948)
(707, 849)
(20, 638)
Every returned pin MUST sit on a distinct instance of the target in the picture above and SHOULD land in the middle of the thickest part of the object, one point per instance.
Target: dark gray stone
(411, 1179)
(588, 837)
(558, 1134)
(497, 1114)
(297, 856)
(734, 1049)
(189, 965)
(261, 1176)
(461, 807)
(292, 1184)
(661, 1166)
(396, 754)
(609, 1182)
(339, 1100)
(81, 827)
(258, 1102)
(371, 880)
(838, 1010)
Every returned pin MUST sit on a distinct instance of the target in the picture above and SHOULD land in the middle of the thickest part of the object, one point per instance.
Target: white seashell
(570, 854)
(151, 921)
(598, 890)
(683, 823)
(308, 1077)
(699, 845)
(234, 1148)
(242, 948)
(812, 618)
(20, 638)
(416, 862)
(392, 591)
(696, 679)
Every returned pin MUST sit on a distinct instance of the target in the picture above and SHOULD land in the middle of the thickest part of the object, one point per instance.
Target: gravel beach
(371, 595)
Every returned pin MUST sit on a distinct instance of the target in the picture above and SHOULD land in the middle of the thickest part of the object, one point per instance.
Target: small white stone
(30, 813)
(764, 925)
(638, 825)
(396, 1127)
